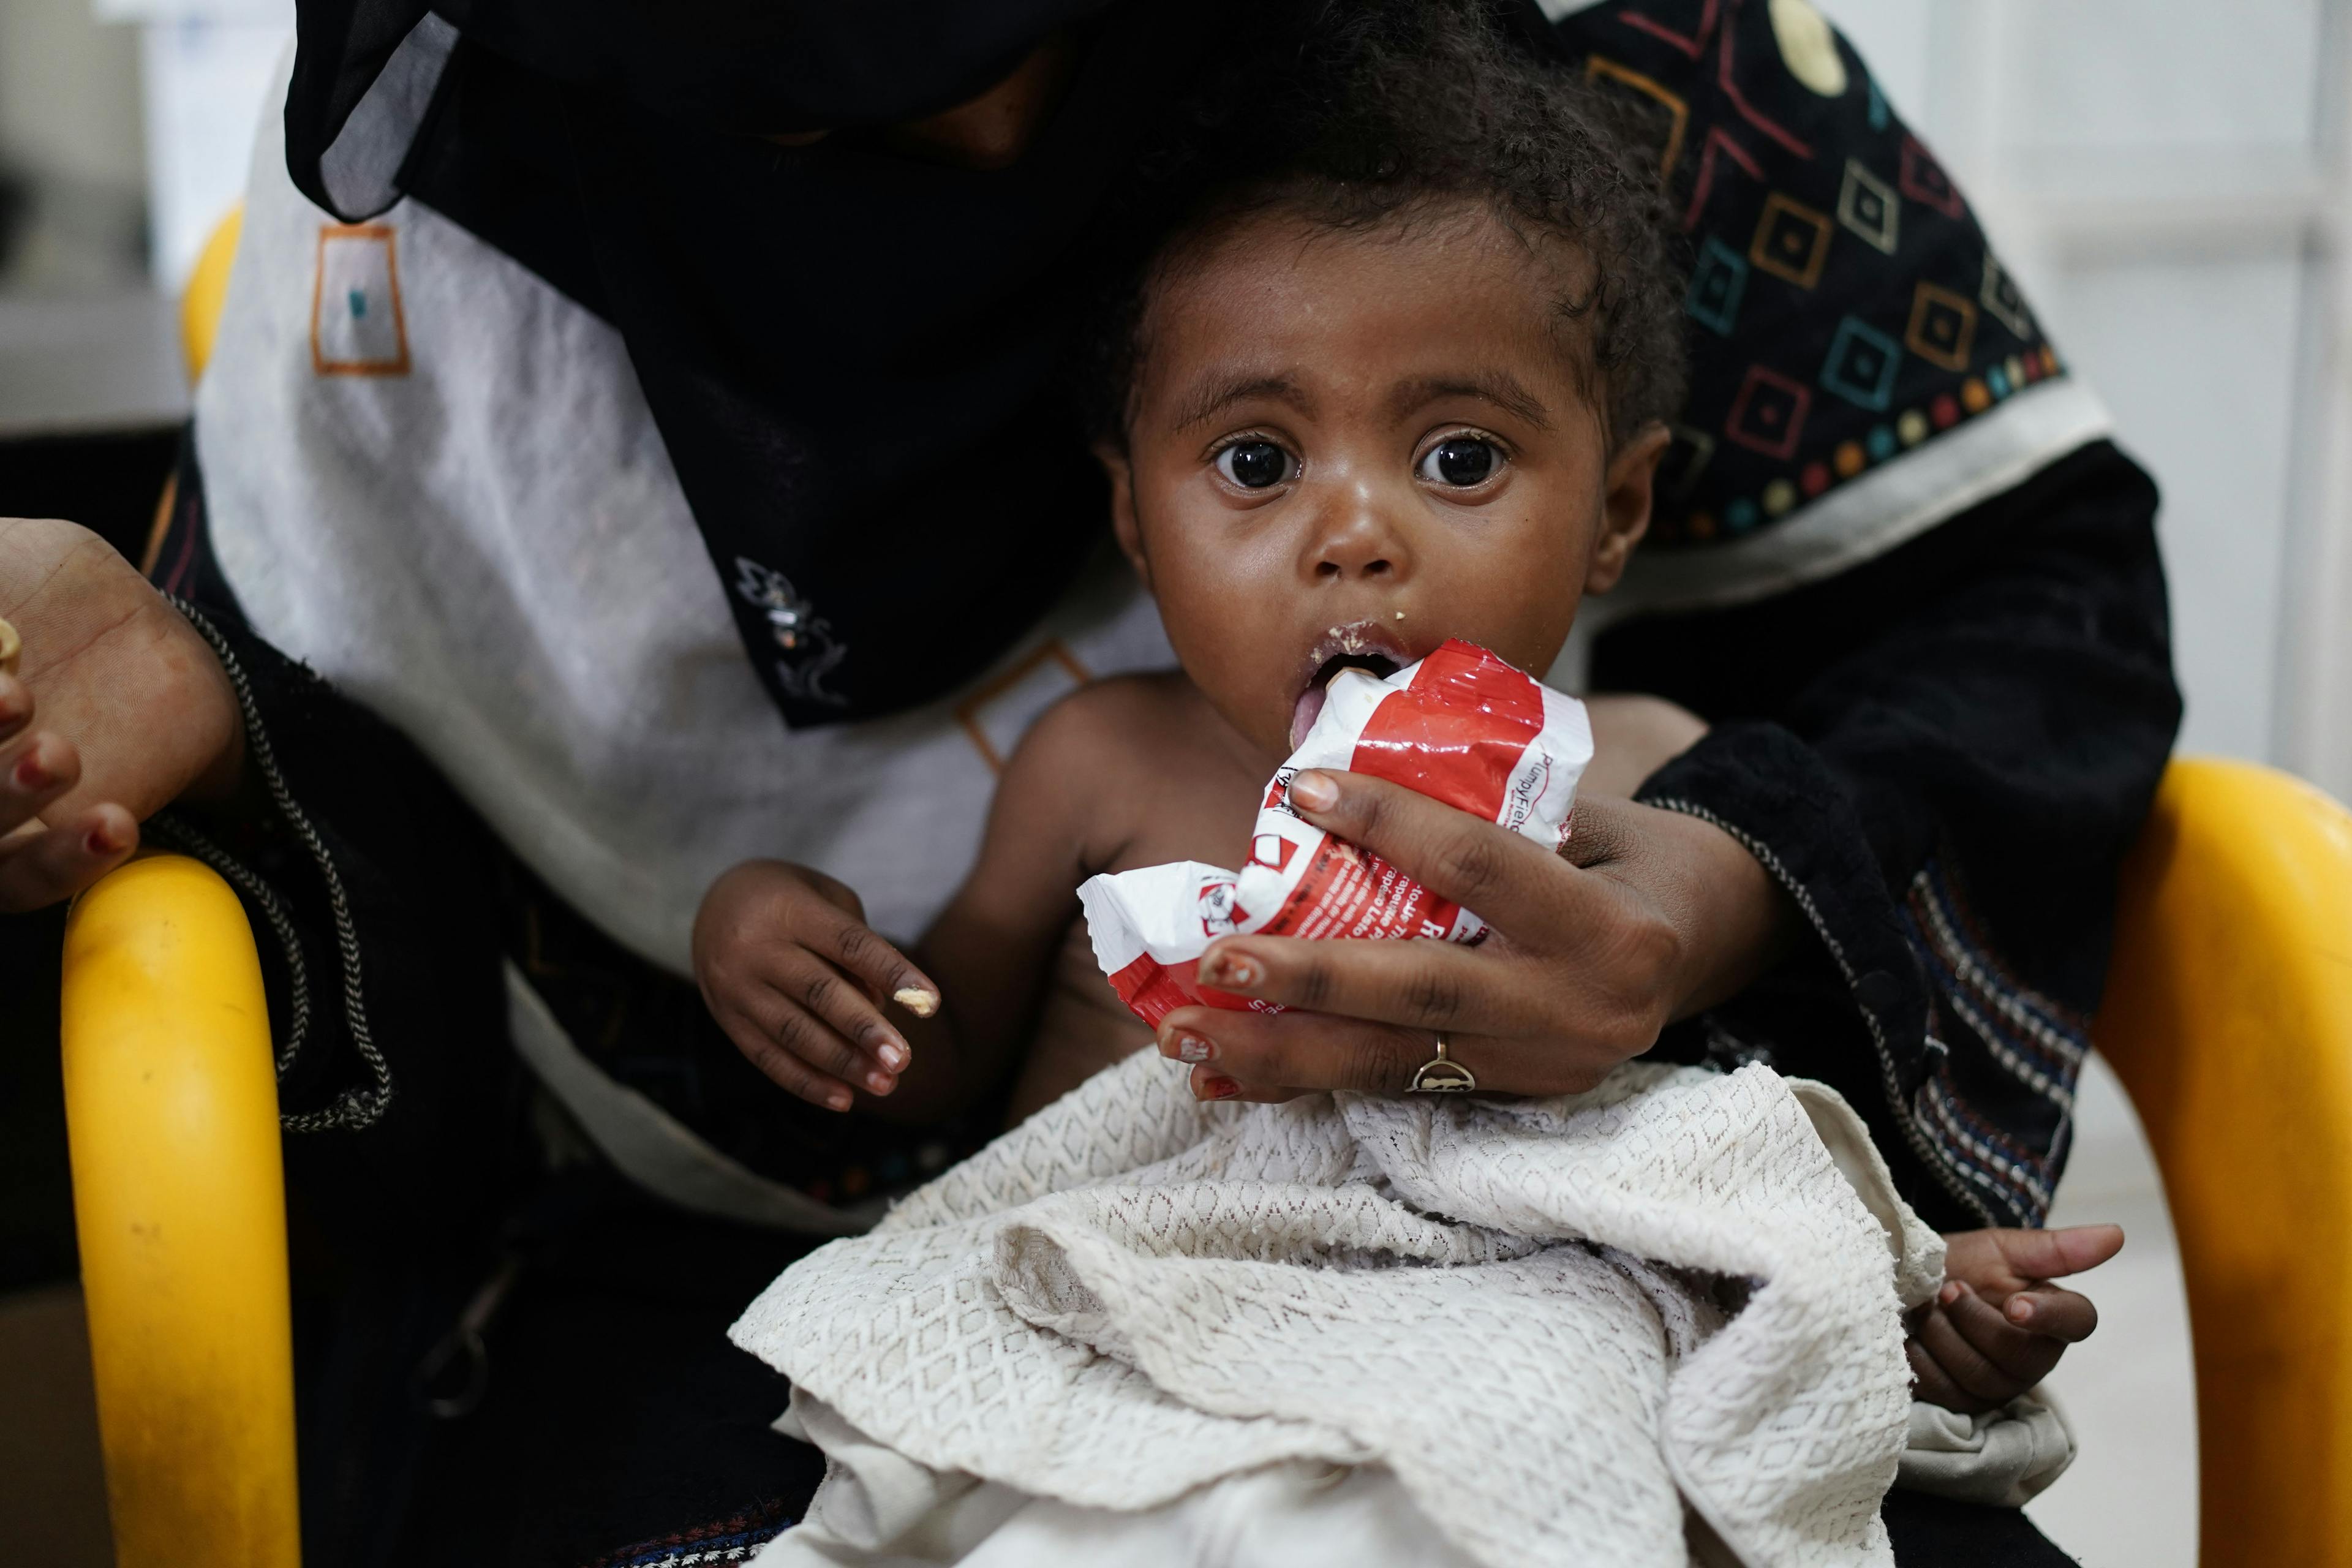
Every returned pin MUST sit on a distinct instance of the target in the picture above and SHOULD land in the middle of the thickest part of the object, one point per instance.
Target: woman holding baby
(595, 392)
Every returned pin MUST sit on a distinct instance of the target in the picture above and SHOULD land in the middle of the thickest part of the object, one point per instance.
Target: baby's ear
(1625, 500)
(1122, 474)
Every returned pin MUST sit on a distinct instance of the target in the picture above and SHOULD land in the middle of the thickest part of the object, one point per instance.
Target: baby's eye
(1461, 461)
(1256, 464)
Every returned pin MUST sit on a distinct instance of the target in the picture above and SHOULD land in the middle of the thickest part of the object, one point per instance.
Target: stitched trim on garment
(2035, 1040)
(167, 826)
(1931, 1151)
(730, 1540)
(354, 1108)
(1953, 942)
(1981, 1162)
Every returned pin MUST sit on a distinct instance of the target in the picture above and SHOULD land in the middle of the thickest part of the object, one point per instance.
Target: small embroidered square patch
(356, 325)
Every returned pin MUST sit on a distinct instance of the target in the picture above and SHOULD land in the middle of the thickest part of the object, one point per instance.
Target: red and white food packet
(1461, 726)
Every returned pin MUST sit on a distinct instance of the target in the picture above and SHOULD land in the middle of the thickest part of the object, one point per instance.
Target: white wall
(2168, 178)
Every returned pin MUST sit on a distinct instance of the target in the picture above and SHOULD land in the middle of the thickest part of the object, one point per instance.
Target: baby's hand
(1998, 1326)
(795, 976)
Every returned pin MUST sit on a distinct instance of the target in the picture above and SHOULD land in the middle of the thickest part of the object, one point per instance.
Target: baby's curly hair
(1356, 115)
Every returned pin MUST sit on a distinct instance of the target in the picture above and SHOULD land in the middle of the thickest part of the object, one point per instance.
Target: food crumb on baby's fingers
(922, 1003)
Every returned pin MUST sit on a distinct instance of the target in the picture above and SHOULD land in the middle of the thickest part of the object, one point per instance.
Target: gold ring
(1441, 1073)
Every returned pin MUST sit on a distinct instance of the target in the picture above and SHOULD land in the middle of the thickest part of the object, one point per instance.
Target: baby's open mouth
(1366, 644)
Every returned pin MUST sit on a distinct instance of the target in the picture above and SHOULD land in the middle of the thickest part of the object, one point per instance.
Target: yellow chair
(2229, 1017)
(180, 1207)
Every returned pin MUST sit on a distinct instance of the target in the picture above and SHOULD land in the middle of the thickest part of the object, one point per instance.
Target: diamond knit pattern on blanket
(1512, 1305)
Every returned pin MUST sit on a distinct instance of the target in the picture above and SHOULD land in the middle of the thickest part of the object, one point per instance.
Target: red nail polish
(1218, 1088)
(98, 842)
(29, 774)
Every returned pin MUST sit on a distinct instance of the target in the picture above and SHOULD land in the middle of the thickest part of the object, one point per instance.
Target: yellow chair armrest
(208, 291)
(2229, 1017)
(180, 1204)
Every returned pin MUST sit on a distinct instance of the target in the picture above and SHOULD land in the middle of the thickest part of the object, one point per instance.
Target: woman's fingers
(1279, 1053)
(43, 866)
(1508, 879)
(16, 707)
(34, 770)
(1208, 1083)
(1276, 1056)
(1411, 984)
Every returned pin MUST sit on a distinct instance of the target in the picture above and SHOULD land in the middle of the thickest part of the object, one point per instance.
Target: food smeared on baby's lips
(1365, 645)
(1460, 726)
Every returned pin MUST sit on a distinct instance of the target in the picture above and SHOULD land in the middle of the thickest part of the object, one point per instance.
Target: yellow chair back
(2229, 1017)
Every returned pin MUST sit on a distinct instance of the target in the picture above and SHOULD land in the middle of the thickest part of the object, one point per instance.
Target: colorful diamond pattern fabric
(1845, 306)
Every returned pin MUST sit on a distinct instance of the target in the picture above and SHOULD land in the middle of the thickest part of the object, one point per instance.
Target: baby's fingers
(862, 952)
(2066, 1316)
(850, 1017)
(1963, 1364)
(1933, 1384)
(2021, 1354)
(794, 1050)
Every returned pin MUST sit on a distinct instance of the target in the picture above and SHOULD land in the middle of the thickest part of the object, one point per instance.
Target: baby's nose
(1358, 544)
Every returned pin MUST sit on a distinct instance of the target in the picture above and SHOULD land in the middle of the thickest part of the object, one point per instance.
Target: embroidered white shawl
(1512, 1306)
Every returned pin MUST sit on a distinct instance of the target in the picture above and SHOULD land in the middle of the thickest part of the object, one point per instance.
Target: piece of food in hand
(1460, 726)
(11, 644)
(922, 1003)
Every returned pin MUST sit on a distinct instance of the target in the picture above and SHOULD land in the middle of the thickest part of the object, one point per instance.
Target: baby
(1405, 378)
(1343, 421)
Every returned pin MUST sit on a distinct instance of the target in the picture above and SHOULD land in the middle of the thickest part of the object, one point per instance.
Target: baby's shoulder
(1118, 722)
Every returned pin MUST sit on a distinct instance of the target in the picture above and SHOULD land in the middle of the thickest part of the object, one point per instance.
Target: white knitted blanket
(1556, 1322)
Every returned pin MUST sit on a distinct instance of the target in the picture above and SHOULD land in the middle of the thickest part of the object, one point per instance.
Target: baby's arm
(993, 947)
(1633, 737)
(799, 981)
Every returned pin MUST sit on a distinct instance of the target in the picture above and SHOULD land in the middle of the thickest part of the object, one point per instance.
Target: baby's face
(1344, 448)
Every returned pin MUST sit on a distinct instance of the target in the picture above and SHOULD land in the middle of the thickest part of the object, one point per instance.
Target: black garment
(391, 1232)
(853, 356)
(1941, 754)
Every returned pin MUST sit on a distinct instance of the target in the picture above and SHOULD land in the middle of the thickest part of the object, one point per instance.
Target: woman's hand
(1999, 1325)
(132, 711)
(1646, 916)
(796, 977)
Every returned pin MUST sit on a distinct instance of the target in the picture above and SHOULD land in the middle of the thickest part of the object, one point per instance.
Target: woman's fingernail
(2020, 1309)
(100, 842)
(1315, 792)
(880, 1082)
(892, 1056)
(838, 1099)
(29, 774)
(1229, 969)
(1214, 1088)
(1192, 1047)
(1949, 1293)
